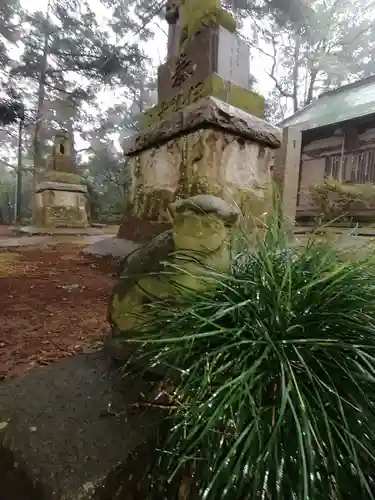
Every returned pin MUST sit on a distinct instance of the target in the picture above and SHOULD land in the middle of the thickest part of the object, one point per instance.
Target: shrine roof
(350, 101)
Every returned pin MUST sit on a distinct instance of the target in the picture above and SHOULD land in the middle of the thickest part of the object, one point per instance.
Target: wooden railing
(356, 166)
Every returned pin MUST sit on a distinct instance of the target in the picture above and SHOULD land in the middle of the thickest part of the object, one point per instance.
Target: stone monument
(60, 198)
(206, 135)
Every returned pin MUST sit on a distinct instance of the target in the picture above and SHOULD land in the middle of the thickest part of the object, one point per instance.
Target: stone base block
(61, 205)
(65, 428)
(209, 147)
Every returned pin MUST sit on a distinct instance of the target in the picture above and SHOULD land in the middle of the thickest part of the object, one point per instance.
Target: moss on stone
(156, 204)
(65, 177)
(205, 236)
(201, 185)
(195, 14)
(59, 216)
(214, 86)
(239, 97)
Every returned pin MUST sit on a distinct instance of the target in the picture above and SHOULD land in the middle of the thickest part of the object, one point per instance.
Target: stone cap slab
(64, 427)
(61, 186)
(206, 113)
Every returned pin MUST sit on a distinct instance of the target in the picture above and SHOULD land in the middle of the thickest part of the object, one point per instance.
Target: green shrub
(335, 199)
(276, 394)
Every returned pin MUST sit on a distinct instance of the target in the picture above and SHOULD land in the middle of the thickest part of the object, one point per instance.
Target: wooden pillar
(287, 170)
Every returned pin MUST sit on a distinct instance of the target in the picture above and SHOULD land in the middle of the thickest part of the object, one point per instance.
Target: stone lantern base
(60, 204)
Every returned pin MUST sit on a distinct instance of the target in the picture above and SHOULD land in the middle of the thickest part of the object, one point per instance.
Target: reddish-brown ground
(53, 303)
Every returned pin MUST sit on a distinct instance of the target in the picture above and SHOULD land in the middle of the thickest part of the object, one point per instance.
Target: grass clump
(275, 398)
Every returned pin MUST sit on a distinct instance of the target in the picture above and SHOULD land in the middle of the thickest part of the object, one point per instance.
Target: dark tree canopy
(11, 109)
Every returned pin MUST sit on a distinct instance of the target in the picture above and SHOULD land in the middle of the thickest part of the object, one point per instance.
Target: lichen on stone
(214, 86)
(195, 14)
(64, 177)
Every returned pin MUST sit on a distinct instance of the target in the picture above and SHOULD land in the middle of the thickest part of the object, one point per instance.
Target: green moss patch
(214, 86)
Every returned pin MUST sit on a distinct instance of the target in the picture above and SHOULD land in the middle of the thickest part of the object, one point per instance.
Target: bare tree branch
(272, 75)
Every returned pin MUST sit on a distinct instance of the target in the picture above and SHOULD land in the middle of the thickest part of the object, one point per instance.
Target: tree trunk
(18, 204)
(297, 47)
(69, 128)
(9, 208)
(310, 92)
(38, 146)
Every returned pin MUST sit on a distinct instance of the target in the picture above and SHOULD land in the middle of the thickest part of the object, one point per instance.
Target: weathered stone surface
(201, 234)
(65, 427)
(212, 50)
(196, 14)
(207, 205)
(172, 18)
(63, 177)
(208, 112)
(61, 198)
(204, 161)
(215, 86)
(124, 309)
(205, 57)
(143, 230)
(61, 158)
(61, 186)
(60, 205)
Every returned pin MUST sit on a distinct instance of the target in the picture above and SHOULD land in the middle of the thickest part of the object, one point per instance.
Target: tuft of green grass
(275, 398)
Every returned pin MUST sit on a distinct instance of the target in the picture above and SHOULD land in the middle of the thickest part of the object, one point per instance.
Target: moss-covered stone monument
(60, 198)
(206, 135)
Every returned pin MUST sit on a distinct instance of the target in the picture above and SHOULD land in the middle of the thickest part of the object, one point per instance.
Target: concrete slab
(63, 428)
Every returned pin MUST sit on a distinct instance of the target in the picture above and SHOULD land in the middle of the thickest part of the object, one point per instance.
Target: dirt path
(53, 304)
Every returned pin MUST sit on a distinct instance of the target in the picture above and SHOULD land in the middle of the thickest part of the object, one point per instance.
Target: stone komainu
(201, 235)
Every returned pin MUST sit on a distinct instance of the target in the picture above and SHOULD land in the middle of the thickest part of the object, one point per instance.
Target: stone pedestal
(209, 147)
(60, 204)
